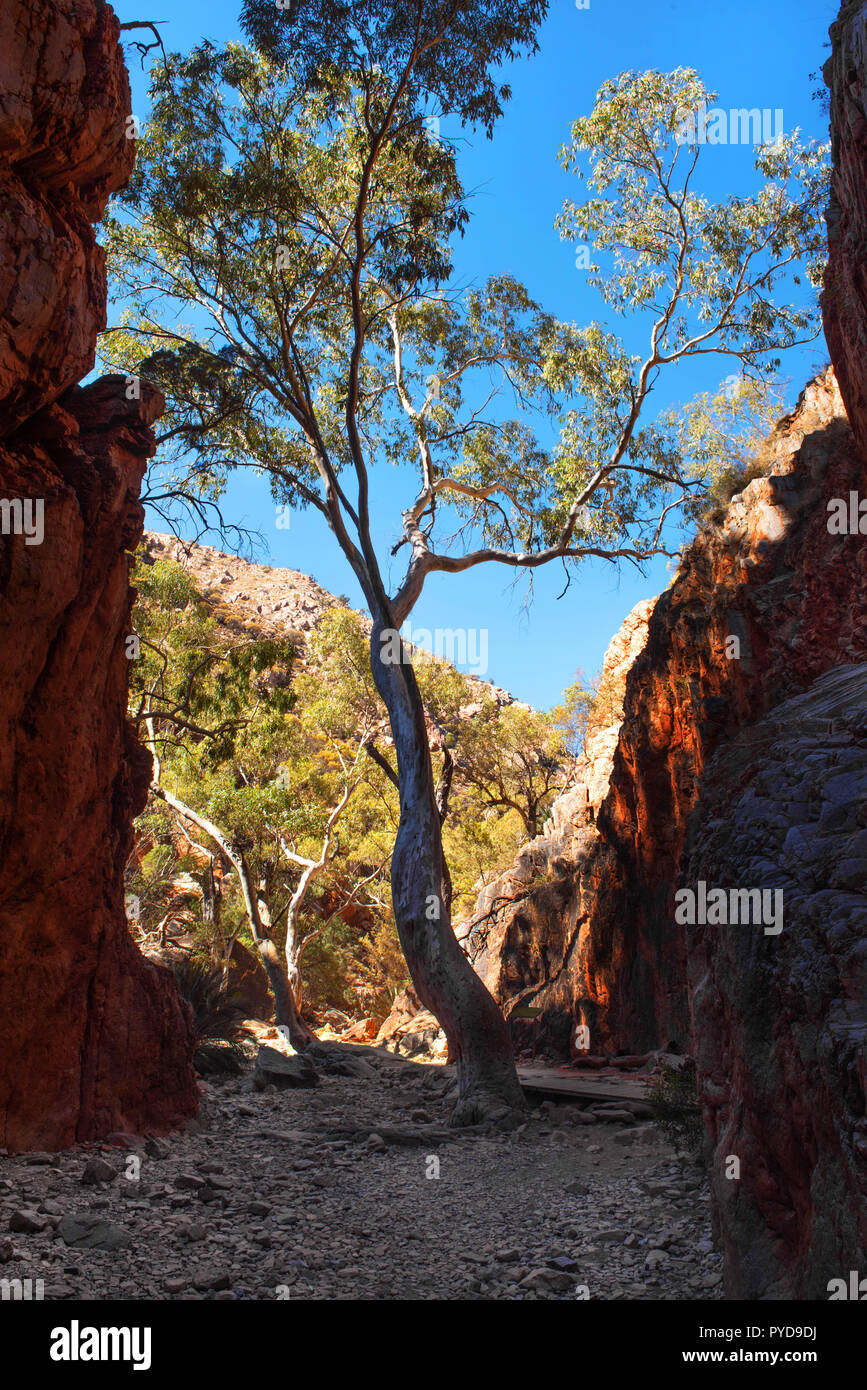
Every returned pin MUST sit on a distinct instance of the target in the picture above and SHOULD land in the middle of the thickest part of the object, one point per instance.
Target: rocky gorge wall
(741, 765)
(585, 929)
(92, 1037)
(844, 299)
(737, 765)
(779, 1012)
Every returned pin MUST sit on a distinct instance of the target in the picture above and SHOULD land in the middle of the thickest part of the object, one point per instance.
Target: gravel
(358, 1190)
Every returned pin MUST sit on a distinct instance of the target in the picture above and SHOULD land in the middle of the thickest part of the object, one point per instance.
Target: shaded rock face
(779, 1018)
(412, 1030)
(844, 301)
(92, 1037)
(590, 937)
(526, 922)
(64, 101)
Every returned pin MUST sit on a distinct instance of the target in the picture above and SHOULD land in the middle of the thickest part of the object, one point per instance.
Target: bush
(673, 1098)
(217, 1011)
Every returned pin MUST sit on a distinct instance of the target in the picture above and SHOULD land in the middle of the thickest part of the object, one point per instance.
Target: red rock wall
(92, 1037)
(779, 1017)
(844, 301)
(589, 935)
(772, 575)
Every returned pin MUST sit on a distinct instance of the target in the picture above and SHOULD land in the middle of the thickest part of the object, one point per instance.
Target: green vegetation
(216, 1014)
(264, 747)
(674, 1100)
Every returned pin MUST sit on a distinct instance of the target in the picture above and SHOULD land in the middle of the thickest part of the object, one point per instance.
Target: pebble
(299, 1189)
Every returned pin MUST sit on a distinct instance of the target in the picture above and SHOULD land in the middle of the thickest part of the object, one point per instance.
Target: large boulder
(411, 1030)
(283, 1070)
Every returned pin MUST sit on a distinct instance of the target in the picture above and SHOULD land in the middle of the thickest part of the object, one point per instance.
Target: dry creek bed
(332, 1192)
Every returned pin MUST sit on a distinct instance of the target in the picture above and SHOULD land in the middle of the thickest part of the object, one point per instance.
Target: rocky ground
(355, 1189)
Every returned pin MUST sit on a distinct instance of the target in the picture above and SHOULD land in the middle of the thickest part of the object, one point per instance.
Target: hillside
(246, 597)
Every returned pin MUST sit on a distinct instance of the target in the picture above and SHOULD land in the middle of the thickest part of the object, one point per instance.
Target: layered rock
(844, 301)
(592, 939)
(92, 1037)
(778, 997)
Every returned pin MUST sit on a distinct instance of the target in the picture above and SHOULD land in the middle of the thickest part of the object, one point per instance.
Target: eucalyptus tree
(516, 759)
(285, 249)
(249, 763)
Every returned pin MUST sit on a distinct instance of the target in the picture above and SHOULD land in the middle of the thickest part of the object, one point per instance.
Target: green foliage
(303, 208)
(261, 747)
(674, 1100)
(359, 972)
(571, 717)
(445, 52)
(725, 437)
(514, 758)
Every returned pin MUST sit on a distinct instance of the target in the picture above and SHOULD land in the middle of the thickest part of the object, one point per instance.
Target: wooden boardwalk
(554, 1083)
(544, 1083)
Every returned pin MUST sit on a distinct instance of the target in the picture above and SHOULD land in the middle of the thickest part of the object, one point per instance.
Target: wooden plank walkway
(546, 1083)
(553, 1084)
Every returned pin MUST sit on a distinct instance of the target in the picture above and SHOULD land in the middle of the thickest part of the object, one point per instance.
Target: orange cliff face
(92, 1037)
(741, 761)
(583, 924)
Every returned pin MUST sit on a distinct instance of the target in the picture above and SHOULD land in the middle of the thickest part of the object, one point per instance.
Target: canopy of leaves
(283, 254)
(440, 52)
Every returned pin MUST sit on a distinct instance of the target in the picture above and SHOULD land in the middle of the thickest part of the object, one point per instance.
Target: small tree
(241, 768)
(515, 758)
(727, 436)
(298, 200)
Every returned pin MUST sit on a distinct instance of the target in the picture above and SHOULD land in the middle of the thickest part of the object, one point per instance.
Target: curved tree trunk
(478, 1036)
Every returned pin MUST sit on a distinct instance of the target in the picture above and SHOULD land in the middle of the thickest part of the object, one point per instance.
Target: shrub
(673, 1097)
(217, 1012)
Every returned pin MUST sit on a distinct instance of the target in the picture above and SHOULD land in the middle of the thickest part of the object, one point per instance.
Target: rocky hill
(271, 601)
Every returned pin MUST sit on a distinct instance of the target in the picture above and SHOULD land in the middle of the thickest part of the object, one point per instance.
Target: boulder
(284, 1072)
(92, 1232)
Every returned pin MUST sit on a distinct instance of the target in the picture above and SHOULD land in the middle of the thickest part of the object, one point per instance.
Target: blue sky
(754, 53)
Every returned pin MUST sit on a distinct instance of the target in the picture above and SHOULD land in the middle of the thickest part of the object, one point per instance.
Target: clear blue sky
(754, 53)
